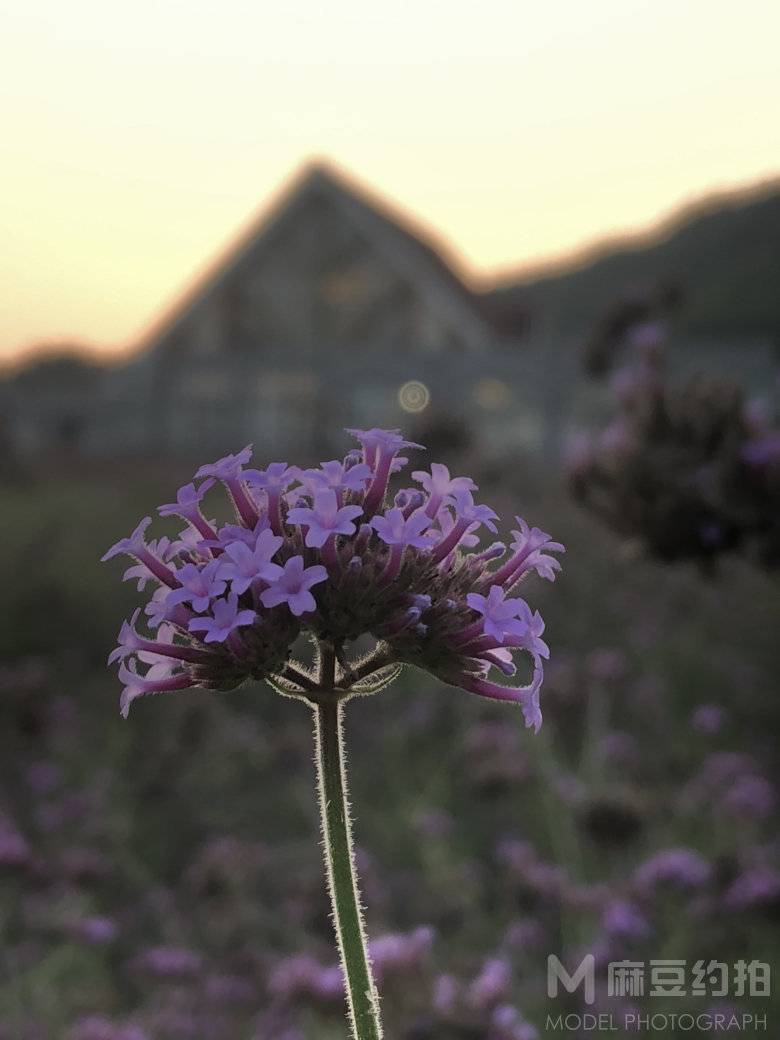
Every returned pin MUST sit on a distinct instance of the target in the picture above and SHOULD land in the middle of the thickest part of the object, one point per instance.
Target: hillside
(723, 253)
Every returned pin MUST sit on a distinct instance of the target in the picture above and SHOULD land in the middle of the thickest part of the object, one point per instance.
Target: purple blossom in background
(757, 887)
(43, 777)
(446, 993)
(708, 718)
(648, 336)
(303, 977)
(95, 1027)
(168, 962)
(14, 850)
(508, 1024)
(677, 868)
(525, 934)
(230, 990)
(229, 600)
(623, 920)
(763, 451)
(606, 664)
(491, 986)
(750, 797)
(401, 953)
(619, 748)
(95, 931)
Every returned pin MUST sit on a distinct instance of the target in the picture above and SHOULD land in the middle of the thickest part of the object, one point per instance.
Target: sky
(137, 140)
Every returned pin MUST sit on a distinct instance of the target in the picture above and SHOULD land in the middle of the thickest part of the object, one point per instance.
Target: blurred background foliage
(162, 878)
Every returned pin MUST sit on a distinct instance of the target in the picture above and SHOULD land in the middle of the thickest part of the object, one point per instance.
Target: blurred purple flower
(751, 797)
(168, 962)
(508, 1024)
(677, 868)
(756, 887)
(622, 919)
(606, 664)
(708, 718)
(14, 850)
(491, 986)
(400, 953)
(95, 1027)
(446, 994)
(95, 931)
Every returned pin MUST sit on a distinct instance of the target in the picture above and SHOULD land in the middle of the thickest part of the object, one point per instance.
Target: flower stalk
(340, 866)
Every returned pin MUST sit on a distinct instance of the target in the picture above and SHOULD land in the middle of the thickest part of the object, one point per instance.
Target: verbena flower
(334, 552)
(758, 886)
(677, 868)
(688, 470)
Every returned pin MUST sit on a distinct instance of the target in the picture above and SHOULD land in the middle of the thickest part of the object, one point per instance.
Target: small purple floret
(227, 617)
(396, 529)
(199, 586)
(242, 565)
(325, 518)
(292, 587)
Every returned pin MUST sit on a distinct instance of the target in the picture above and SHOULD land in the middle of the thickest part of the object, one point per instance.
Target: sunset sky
(138, 139)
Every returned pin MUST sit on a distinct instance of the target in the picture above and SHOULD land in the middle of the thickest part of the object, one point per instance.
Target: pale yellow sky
(137, 139)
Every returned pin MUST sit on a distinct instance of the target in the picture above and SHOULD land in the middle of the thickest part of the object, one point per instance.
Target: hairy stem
(351, 675)
(339, 862)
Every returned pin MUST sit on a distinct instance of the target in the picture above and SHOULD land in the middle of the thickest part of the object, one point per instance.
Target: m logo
(585, 973)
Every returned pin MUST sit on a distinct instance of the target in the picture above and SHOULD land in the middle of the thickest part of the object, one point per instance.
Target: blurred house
(333, 311)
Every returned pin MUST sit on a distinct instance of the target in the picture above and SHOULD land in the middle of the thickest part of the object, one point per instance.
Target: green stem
(339, 862)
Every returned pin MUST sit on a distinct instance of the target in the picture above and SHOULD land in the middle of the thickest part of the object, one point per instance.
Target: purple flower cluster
(678, 868)
(332, 551)
(483, 999)
(689, 470)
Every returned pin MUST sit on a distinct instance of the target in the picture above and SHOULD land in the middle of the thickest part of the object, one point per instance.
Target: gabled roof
(404, 247)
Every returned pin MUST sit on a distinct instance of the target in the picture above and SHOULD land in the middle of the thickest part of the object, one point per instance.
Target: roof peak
(406, 244)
